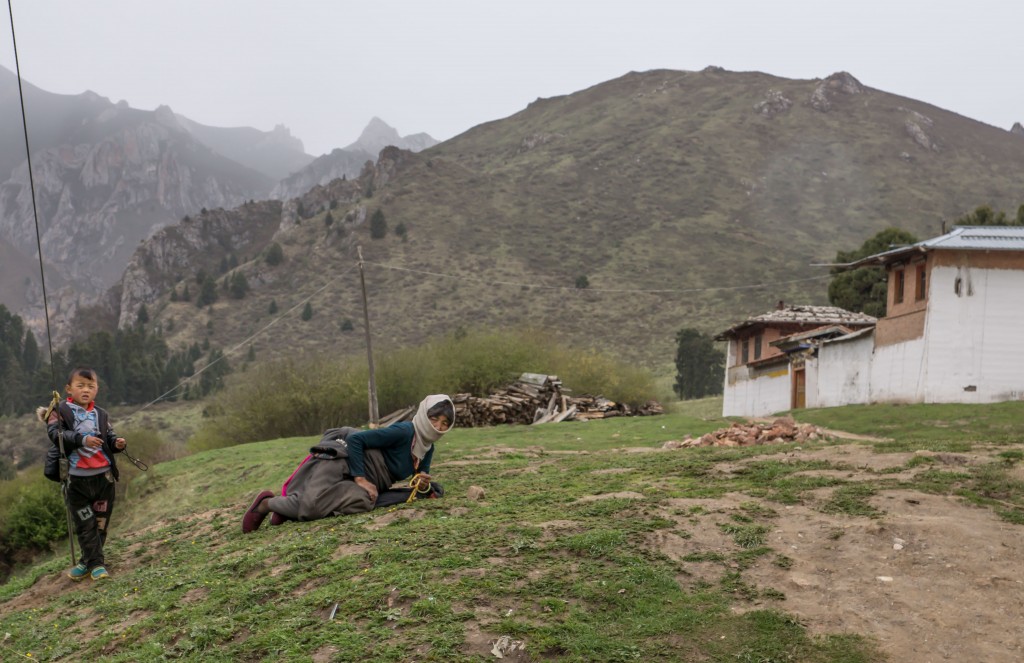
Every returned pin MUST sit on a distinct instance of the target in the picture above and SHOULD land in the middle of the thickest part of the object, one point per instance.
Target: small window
(745, 351)
(921, 290)
(898, 286)
(757, 347)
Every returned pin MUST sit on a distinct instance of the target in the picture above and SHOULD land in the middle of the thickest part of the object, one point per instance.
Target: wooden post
(369, 347)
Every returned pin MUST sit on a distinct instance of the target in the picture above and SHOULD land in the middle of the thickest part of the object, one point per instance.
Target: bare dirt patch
(931, 579)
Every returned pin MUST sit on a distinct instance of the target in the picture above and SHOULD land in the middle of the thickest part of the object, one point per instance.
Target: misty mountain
(609, 218)
(276, 153)
(106, 176)
(378, 134)
(349, 161)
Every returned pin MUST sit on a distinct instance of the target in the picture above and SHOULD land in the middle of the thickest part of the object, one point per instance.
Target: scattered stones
(783, 430)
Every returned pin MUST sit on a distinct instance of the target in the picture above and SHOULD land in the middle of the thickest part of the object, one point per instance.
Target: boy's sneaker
(99, 573)
(78, 572)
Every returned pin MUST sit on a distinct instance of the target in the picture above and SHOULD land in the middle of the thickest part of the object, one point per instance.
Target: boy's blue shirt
(86, 461)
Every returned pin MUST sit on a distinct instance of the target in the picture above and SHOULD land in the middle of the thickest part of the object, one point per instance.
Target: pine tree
(699, 365)
(239, 286)
(274, 255)
(207, 292)
(378, 225)
(307, 312)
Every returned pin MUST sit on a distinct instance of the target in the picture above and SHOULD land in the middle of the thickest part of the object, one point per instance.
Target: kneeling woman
(350, 468)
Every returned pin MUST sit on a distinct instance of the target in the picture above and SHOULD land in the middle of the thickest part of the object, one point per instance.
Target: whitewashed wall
(841, 374)
(758, 396)
(898, 372)
(972, 351)
(974, 346)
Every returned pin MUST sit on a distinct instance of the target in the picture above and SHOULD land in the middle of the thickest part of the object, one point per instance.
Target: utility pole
(369, 348)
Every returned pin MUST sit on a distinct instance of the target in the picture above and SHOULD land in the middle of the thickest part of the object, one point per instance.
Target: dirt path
(933, 579)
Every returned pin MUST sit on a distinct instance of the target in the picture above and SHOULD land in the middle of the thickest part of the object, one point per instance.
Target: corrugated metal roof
(986, 238)
(802, 315)
(969, 238)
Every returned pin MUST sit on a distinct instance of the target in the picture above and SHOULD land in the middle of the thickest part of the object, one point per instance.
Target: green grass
(945, 427)
(575, 579)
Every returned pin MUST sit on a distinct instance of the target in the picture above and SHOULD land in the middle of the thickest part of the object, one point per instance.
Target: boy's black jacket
(65, 429)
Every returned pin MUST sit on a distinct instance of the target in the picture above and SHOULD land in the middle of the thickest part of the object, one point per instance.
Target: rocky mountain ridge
(684, 198)
(108, 176)
(348, 162)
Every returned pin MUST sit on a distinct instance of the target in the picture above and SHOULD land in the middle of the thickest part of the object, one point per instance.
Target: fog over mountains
(107, 176)
(686, 198)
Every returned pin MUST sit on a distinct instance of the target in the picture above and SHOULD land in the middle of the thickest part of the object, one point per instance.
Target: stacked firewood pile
(780, 431)
(532, 399)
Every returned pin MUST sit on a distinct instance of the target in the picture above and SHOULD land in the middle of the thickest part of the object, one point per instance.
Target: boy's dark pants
(91, 500)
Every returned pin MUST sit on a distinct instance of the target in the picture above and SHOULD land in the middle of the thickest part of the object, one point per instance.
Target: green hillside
(590, 544)
(685, 199)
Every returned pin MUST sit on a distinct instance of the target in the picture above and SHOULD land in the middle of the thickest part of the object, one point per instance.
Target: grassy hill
(686, 199)
(590, 544)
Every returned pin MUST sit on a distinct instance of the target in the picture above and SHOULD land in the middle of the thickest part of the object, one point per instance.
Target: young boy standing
(89, 444)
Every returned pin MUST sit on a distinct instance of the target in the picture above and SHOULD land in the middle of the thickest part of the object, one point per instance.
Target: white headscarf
(426, 434)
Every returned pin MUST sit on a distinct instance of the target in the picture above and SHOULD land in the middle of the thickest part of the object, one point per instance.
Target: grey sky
(325, 68)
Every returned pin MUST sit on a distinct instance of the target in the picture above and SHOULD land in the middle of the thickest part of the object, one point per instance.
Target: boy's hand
(92, 442)
(120, 443)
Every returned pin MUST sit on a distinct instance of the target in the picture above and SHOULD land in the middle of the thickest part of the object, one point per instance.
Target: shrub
(291, 398)
(285, 398)
(31, 512)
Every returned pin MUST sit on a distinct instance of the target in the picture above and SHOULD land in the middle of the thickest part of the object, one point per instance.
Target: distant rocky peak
(378, 134)
(839, 83)
(282, 136)
(166, 117)
(1017, 129)
(92, 97)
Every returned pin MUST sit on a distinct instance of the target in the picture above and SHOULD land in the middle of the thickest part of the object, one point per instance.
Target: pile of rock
(781, 431)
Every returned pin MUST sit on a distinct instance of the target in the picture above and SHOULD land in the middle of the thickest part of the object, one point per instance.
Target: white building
(762, 377)
(955, 306)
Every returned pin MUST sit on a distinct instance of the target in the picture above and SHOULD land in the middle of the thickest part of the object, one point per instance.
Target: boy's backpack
(55, 467)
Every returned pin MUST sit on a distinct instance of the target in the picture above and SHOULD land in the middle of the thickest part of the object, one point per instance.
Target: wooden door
(799, 389)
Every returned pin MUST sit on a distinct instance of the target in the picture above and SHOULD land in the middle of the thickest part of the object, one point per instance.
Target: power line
(537, 286)
(32, 189)
(238, 345)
